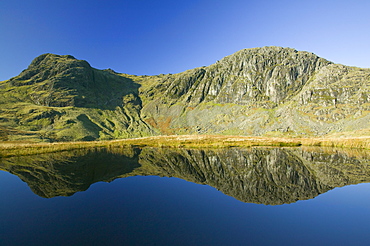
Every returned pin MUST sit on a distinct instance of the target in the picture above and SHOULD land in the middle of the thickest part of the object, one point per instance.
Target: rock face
(262, 91)
(257, 175)
(269, 91)
(264, 76)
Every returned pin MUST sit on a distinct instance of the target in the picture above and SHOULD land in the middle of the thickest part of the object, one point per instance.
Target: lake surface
(255, 196)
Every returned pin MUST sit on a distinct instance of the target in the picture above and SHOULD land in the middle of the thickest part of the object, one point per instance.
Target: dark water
(258, 196)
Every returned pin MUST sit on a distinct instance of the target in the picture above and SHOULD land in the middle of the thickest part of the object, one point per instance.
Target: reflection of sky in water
(153, 210)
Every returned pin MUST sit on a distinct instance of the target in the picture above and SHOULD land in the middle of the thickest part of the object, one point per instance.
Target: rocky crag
(270, 91)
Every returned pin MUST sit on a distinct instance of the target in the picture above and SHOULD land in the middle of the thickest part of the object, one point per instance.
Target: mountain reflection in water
(254, 175)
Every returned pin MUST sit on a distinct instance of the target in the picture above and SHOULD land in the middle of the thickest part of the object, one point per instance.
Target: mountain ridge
(270, 91)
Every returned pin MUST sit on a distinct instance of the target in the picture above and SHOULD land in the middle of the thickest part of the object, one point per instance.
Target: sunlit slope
(62, 98)
(263, 91)
(270, 91)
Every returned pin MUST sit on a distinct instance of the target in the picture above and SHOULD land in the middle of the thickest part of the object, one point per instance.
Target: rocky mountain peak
(272, 91)
(272, 74)
(49, 65)
(266, 76)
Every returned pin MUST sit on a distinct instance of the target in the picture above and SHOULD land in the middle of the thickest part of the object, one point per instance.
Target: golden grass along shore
(8, 149)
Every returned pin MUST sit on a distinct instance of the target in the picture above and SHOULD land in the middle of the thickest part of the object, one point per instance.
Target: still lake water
(257, 196)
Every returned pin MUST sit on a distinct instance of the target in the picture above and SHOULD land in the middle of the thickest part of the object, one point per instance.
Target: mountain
(62, 98)
(270, 91)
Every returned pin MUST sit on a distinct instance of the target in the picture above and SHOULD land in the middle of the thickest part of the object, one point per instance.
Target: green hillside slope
(62, 98)
(269, 91)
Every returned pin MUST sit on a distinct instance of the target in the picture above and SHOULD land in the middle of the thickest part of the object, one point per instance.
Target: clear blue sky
(152, 37)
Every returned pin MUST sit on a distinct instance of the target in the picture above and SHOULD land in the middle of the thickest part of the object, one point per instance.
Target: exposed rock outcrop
(270, 91)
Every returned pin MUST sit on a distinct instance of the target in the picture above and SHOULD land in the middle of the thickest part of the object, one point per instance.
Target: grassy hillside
(269, 91)
(61, 98)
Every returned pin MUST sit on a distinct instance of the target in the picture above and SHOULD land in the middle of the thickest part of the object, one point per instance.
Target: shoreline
(8, 149)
